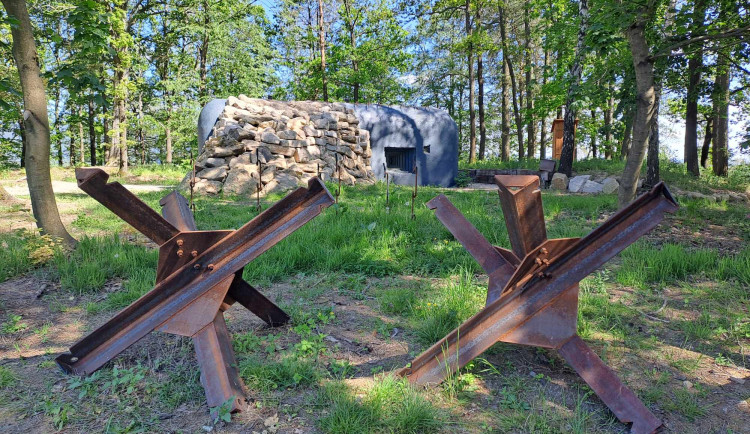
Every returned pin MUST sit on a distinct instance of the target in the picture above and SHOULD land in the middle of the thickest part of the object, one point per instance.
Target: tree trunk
(531, 122)
(470, 63)
(55, 128)
(71, 147)
(644, 79)
(482, 124)
(593, 135)
(695, 64)
(23, 142)
(505, 114)
(627, 135)
(707, 141)
(168, 133)
(608, 126)
(652, 163)
(720, 157)
(512, 74)
(203, 56)
(36, 124)
(566, 156)
(322, 37)
(81, 147)
(123, 138)
(113, 157)
(543, 130)
(141, 137)
(107, 146)
(92, 132)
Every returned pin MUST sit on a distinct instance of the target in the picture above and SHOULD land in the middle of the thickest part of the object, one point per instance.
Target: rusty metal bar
(125, 204)
(521, 201)
(219, 375)
(244, 294)
(608, 387)
(492, 262)
(414, 193)
(176, 210)
(196, 278)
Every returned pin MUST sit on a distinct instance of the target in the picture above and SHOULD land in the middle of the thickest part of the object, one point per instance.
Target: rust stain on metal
(190, 299)
(534, 300)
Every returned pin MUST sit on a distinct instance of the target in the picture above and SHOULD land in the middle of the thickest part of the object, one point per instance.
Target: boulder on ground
(591, 187)
(577, 182)
(610, 185)
(559, 182)
(213, 173)
(241, 181)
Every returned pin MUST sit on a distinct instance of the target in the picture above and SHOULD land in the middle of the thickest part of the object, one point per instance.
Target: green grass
(97, 260)
(7, 378)
(643, 264)
(289, 372)
(391, 405)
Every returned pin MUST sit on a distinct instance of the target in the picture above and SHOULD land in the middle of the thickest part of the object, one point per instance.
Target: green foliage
(14, 324)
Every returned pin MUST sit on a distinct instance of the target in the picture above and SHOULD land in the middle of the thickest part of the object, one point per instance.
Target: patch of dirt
(537, 381)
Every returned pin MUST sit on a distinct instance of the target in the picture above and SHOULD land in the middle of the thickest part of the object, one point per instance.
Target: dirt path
(20, 188)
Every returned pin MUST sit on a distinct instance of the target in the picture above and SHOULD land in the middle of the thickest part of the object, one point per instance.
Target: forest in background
(125, 80)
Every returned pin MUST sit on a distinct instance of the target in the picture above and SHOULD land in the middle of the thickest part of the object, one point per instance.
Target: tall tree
(36, 124)
(470, 64)
(644, 79)
(576, 68)
(322, 39)
(695, 64)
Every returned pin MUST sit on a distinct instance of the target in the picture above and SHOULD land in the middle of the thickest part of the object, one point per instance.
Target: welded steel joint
(199, 276)
(532, 298)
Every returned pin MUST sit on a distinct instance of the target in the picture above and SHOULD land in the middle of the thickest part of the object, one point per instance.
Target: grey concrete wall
(417, 127)
(394, 127)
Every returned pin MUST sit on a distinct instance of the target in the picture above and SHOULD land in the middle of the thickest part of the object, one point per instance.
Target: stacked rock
(294, 141)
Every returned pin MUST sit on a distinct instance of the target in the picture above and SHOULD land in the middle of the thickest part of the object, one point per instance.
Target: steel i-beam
(534, 301)
(199, 276)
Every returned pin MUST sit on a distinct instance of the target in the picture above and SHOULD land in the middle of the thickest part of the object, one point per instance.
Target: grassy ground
(367, 291)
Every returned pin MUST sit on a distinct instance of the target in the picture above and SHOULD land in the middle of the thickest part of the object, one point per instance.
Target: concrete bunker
(401, 138)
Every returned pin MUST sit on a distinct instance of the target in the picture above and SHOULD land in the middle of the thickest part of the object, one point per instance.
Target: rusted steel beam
(521, 201)
(125, 204)
(219, 375)
(490, 259)
(538, 305)
(608, 387)
(198, 276)
(176, 210)
(244, 294)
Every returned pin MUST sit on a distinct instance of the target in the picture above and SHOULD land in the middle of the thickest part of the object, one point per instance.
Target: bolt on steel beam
(535, 302)
(198, 277)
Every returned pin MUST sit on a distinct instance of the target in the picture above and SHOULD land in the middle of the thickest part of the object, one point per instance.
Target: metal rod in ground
(260, 177)
(192, 183)
(387, 189)
(414, 193)
(338, 172)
